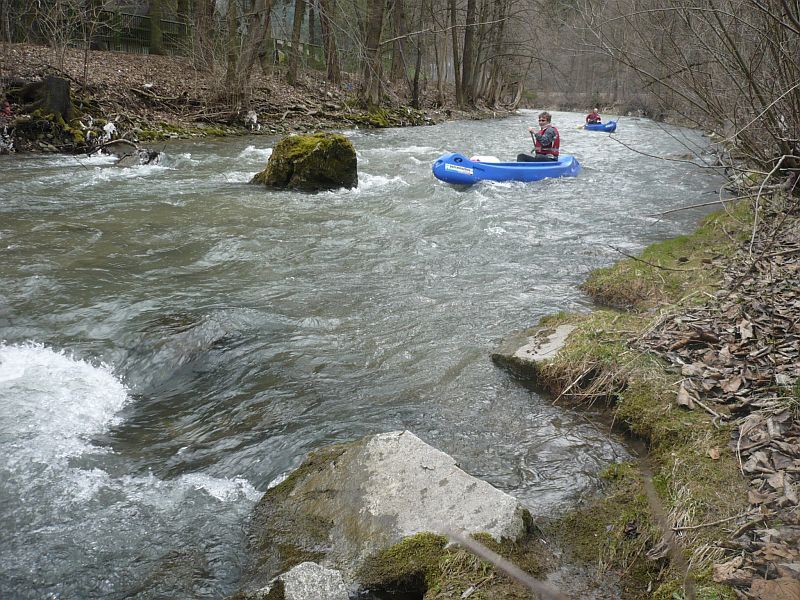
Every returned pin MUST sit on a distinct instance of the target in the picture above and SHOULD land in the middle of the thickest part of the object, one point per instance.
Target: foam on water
(367, 181)
(234, 176)
(87, 505)
(50, 403)
(224, 490)
(256, 154)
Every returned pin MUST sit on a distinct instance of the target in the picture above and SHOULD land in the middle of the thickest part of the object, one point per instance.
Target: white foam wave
(256, 153)
(370, 182)
(124, 173)
(98, 159)
(417, 150)
(234, 177)
(50, 403)
(224, 490)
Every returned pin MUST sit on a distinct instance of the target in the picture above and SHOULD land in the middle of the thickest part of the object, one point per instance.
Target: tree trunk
(333, 72)
(156, 35)
(371, 73)
(203, 56)
(51, 96)
(183, 11)
(232, 49)
(468, 67)
(294, 50)
(417, 68)
(399, 20)
(456, 54)
(257, 33)
(313, 32)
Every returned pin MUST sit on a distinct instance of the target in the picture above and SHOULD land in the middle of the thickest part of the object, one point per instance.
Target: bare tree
(371, 72)
(722, 64)
(203, 38)
(398, 71)
(156, 34)
(332, 69)
(294, 49)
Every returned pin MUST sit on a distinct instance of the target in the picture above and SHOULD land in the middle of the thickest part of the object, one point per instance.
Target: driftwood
(119, 148)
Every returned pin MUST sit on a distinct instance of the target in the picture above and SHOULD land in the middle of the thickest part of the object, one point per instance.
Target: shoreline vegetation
(149, 98)
(693, 350)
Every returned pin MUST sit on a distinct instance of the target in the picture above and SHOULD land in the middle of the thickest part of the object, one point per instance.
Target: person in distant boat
(593, 117)
(546, 141)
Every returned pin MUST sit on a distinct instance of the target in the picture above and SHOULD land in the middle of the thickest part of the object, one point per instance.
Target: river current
(173, 339)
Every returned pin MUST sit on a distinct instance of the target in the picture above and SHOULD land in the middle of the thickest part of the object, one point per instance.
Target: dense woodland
(731, 67)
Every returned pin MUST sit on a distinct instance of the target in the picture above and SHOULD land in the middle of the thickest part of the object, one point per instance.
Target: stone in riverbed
(523, 353)
(320, 161)
(347, 502)
(306, 581)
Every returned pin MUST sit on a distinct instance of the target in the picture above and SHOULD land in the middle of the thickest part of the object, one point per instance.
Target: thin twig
(711, 524)
(666, 212)
(648, 263)
(510, 569)
(709, 410)
(758, 198)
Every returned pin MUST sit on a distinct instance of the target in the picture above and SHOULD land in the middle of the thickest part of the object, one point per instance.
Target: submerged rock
(306, 581)
(348, 502)
(523, 353)
(140, 156)
(321, 161)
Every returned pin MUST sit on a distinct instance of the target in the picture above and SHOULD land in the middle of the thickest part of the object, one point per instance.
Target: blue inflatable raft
(609, 126)
(458, 169)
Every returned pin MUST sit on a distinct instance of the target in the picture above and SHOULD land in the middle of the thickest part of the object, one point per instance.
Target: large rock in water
(347, 502)
(320, 161)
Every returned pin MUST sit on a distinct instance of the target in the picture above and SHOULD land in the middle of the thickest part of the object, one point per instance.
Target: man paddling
(593, 117)
(546, 141)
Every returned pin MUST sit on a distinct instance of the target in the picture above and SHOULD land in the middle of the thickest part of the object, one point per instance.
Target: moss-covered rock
(409, 566)
(348, 503)
(311, 163)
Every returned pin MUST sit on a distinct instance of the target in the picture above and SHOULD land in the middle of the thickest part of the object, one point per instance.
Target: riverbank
(697, 356)
(150, 98)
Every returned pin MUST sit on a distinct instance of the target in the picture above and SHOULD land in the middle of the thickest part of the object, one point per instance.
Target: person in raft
(593, 117)
(546, 141)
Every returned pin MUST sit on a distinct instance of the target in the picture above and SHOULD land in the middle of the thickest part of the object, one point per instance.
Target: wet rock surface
(346, 503)
(311, 163)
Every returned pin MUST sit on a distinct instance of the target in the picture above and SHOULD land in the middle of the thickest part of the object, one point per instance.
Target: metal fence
(108, 30)
(123, 32)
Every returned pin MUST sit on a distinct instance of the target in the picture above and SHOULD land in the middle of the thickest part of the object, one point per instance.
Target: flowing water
(173, 339)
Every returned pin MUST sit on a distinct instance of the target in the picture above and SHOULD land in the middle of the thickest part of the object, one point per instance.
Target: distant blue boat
(458, 169)
(609, 126)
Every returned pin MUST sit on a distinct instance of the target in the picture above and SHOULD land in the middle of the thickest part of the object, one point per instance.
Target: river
(173, 339)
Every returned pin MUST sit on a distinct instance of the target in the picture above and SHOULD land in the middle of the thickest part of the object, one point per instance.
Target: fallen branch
(666, 212)
(711, 524)
(646, 262)
(119, 142)
(507, 567)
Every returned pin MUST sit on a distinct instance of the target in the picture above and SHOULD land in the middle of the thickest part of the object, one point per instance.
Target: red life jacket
(552, 150)
(593, 117)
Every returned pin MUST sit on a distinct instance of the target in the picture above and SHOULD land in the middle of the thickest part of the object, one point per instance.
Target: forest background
(730, 67)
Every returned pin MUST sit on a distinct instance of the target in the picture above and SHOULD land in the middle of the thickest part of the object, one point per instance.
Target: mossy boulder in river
(347, 503)
(320, 161)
